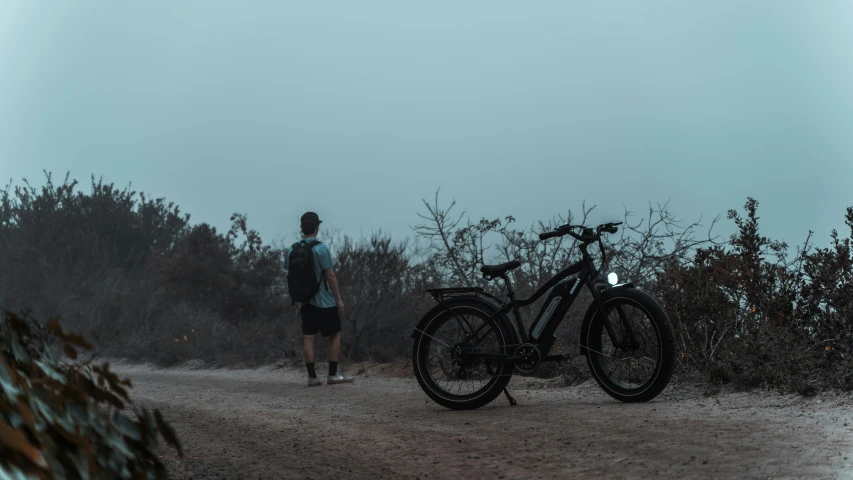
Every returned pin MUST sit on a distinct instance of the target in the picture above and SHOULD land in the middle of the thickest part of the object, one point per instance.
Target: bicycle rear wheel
(450, 378)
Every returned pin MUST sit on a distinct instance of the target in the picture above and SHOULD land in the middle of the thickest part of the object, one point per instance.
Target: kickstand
(512, 401)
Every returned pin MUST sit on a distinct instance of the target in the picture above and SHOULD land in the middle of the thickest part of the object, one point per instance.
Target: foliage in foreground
(67, 420)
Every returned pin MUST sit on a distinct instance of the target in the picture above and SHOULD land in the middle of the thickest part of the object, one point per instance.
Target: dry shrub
(136, 277)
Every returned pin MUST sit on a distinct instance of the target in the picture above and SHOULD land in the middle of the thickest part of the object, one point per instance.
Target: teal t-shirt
(322, 262)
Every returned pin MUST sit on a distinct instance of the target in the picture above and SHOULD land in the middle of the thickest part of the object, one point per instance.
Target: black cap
(310, 218)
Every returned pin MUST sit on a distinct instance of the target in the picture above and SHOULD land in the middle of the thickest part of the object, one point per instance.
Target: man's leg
(308, 348)
(309, 329)
(333, 330)
(308, 353)
(334, 353)
(334, 347)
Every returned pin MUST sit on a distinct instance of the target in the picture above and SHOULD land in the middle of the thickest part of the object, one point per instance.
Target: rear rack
(439, 293)
(452, 290)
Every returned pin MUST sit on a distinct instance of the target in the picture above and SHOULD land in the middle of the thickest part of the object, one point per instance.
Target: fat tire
(663, 327)
(483, 396)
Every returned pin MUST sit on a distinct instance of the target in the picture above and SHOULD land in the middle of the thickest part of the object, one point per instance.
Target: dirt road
(266, 424)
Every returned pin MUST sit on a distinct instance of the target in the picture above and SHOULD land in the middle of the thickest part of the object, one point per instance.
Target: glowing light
(612, 278)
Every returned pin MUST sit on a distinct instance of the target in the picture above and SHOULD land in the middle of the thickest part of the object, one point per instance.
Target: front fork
(627, 343)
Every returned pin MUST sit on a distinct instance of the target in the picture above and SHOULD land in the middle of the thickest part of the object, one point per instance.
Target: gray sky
(358, 110)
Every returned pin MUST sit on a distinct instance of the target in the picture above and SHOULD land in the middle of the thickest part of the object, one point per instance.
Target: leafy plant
(67, 420)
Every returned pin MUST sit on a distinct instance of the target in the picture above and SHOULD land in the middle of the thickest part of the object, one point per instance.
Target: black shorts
(320, 320)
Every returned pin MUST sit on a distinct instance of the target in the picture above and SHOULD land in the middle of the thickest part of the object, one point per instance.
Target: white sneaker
(339, 378)
(314, 382)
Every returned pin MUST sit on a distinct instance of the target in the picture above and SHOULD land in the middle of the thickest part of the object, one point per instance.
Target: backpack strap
(310, 243)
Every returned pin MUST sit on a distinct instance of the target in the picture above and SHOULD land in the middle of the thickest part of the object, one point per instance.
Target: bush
(745, 318)
(137, 278)
(61, 420)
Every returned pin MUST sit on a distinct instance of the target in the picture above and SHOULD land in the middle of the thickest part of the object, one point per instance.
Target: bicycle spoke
(454, 373)
(436, 339)
(631, 366)
(595, 351)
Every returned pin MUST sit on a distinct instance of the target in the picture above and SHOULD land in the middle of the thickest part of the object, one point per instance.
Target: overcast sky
(359, 109)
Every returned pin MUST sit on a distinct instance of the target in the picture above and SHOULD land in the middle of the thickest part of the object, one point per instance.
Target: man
(322, 313)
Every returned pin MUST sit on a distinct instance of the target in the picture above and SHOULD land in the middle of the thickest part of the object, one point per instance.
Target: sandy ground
(265, 424)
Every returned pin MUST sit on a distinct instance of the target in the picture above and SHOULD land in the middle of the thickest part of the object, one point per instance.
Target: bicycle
(481, 348)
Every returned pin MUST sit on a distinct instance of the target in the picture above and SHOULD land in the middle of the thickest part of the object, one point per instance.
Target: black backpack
(302, 280)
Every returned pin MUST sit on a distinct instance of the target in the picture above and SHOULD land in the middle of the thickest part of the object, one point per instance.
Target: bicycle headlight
(612, 278)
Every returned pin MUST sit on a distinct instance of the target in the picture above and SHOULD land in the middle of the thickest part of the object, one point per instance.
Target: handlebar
(544, 236)
(588, 235)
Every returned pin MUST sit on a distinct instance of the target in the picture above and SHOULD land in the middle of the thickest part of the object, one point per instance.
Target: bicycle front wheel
(639, 365)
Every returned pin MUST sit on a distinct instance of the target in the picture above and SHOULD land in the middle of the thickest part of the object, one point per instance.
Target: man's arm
(333, 285)
(325, 258)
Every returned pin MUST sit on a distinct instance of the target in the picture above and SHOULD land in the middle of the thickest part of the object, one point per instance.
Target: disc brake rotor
(532, 358)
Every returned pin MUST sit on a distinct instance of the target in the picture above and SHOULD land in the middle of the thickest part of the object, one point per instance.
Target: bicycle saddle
(495, 270)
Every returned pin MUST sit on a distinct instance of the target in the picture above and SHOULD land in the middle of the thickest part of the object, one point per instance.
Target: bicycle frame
(564, 292)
